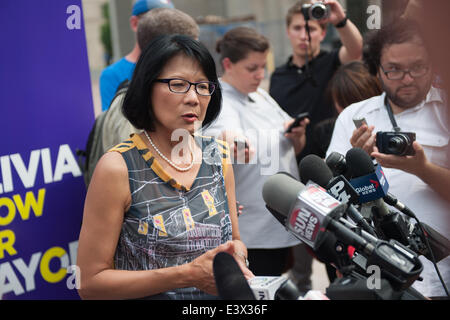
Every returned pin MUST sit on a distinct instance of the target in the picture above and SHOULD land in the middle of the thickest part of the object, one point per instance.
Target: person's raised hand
(363, 138)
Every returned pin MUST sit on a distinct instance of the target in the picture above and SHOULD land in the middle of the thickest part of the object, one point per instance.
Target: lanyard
(391, 115)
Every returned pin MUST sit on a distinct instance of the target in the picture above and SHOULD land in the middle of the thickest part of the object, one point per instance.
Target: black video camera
(398, 143)
(315, 11)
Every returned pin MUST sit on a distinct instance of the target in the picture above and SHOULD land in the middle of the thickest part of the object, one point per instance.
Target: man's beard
(405, 102)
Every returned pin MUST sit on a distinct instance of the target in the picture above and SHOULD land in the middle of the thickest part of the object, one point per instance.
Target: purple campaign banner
(46, 115)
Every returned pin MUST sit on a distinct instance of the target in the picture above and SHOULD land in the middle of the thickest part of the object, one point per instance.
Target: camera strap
(309, 72)
(391, 115)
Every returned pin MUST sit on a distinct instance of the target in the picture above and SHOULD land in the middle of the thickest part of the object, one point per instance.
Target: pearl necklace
(168, 160)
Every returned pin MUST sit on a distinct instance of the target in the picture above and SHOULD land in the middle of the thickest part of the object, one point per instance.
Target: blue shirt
(111, 77)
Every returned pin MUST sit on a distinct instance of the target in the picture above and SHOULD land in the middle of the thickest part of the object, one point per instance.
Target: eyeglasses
(414, 72)
(203, 88)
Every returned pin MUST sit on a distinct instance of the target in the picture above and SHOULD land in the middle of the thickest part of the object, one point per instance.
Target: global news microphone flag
(46, 115)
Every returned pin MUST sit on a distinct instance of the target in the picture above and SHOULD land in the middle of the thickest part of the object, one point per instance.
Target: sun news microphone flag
(46, 115)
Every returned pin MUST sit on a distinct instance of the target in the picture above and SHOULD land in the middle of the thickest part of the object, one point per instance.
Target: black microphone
(230, 281)
(338, 165)
(371, 187)
(325, 251)
(287, 291)
(315, 169)
(391, 200)
(310, 211)
(393, 225)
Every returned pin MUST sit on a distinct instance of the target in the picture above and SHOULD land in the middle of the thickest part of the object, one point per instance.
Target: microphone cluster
(311, 213)
(317, 211)
(372, 187)
(339, 210)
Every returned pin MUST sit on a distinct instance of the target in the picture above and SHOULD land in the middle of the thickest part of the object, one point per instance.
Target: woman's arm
(107, 199)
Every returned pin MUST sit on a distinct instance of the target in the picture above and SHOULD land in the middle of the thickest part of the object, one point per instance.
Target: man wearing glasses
(397, 55)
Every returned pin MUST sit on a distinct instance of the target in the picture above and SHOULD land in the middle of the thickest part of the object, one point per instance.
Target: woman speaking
(162, 204)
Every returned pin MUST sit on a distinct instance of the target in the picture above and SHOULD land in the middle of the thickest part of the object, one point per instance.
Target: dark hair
(237, 43)
(160, 21)
(400, 31)
(137, 106)
(297, 9)
(352, 83)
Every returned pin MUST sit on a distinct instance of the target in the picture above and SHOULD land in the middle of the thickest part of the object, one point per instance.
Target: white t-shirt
(429, 121)
(260, 119)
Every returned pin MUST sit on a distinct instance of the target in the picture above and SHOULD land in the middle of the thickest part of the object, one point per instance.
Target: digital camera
(398, 143)
(316, 11)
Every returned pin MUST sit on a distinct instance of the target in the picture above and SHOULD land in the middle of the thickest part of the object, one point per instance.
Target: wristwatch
(240, 254)
(342, 23)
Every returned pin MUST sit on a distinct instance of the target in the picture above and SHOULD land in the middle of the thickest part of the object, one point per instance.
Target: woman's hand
(297, 134)
(240, 148)
(240, 255)
(201, 268)
(240, 208)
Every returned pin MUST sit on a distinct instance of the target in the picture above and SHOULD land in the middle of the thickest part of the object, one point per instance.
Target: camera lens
(318, 11)
(398, 144)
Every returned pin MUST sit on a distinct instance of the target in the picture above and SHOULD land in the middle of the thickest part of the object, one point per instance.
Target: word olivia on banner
(46, 115)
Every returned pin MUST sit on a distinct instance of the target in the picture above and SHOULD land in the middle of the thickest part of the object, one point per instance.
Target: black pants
(268, 262)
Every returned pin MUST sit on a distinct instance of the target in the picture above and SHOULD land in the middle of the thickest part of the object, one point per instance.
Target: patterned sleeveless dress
(168, 224)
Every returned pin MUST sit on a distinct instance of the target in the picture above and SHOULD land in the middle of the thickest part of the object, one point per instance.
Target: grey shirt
(260, 119)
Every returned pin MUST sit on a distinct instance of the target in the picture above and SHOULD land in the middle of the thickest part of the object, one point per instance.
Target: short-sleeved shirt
(259, 118)
(169, 224)
(296, 93)
(111, 77)
(429, 121)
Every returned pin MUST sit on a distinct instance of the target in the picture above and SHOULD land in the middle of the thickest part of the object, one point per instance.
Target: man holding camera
(300, 84)
(417, 171)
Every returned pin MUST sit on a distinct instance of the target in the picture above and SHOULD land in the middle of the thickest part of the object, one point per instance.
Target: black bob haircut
(137, 106)
(400, 31)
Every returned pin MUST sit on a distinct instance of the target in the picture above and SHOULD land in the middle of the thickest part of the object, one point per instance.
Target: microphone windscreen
(337, 164)
(313, 168)
(359, 162)
(287, 291)
(230, 281)
(281, 218)
(280, 192)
